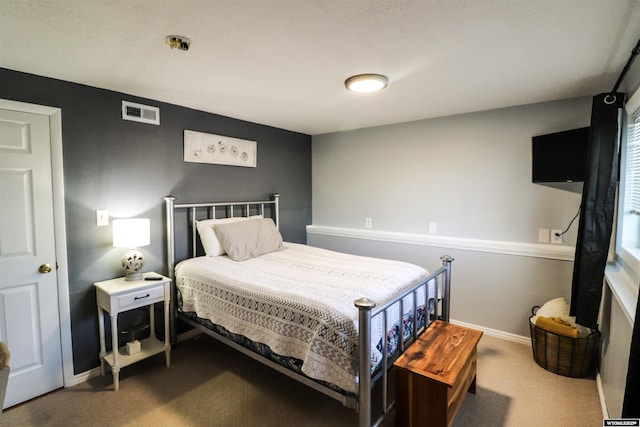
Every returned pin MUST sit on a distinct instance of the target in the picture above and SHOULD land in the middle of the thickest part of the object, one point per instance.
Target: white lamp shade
(131, 233)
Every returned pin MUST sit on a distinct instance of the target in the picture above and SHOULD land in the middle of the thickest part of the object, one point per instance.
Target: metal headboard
(231, 209)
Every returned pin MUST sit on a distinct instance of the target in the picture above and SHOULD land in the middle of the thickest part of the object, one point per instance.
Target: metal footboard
(367, 310)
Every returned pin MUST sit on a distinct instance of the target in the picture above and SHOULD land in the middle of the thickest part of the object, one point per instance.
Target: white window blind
(632, 178)
(625, 286)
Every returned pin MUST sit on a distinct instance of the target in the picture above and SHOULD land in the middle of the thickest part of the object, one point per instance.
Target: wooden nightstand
(117, 296)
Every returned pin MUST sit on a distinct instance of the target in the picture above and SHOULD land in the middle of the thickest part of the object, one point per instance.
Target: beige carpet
(209, 384)
(513, 391)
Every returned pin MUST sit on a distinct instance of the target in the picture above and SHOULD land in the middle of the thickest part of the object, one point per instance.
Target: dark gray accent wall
(128, 167)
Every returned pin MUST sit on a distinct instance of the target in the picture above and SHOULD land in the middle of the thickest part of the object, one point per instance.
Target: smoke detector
(178, 42)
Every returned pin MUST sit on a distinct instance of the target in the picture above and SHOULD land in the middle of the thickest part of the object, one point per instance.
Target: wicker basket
(567, 356)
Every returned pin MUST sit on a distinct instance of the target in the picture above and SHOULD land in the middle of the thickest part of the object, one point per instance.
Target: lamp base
(132, 263)
(132, 277)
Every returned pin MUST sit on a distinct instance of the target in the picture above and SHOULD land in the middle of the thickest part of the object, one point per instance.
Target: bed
(333, 321)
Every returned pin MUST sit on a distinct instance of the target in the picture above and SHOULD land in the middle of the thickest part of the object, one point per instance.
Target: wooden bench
(434, 375)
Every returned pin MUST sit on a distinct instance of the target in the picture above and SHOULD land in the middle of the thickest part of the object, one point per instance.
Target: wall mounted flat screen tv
(560, 156)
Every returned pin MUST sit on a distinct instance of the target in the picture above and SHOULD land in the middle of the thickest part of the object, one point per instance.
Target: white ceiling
(283, 62)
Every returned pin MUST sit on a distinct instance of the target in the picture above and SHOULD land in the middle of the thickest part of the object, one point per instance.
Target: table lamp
(131, 233)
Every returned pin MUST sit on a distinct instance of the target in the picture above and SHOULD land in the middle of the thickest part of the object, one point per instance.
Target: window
(628, 236)
(623, 277)
(632, 175)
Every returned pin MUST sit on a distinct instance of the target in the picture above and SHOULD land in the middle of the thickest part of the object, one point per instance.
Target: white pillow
(249, 239)
(210, 242)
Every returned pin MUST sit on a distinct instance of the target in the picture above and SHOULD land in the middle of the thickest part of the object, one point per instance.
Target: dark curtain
(597, 208)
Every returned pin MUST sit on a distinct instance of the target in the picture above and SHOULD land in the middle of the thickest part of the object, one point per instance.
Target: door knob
(45, 268)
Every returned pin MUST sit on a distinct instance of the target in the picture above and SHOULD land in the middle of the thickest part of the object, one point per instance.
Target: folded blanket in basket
(557, 326)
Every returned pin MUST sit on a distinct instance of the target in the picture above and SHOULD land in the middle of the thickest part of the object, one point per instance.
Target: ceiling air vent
(140, 113)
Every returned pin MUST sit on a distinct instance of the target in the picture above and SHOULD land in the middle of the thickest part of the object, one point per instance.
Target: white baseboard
(507, 336)
(603, 402)
(491, 332)
(84, 376)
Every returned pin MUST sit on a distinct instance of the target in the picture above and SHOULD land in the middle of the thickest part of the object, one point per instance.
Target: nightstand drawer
(140, 298)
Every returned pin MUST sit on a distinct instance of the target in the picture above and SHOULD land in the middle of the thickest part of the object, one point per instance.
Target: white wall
(471, 175)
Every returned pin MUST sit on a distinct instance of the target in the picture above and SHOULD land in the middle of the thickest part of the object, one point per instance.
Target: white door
(29, 319)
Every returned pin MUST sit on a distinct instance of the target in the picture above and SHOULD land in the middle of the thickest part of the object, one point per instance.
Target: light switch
(102, 217)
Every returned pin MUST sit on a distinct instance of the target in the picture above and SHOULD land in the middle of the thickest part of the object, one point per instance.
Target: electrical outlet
(556, 237)
(543, 235)
(433, 227)
(368, 223)
(102, 217)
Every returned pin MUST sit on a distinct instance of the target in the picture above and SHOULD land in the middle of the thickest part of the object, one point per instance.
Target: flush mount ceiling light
(178, 42)
(366, 82)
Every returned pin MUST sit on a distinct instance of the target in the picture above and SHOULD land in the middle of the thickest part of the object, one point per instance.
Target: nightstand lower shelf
(148, 347)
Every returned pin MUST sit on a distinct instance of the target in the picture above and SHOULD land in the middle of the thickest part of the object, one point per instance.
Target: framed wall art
(220, 150)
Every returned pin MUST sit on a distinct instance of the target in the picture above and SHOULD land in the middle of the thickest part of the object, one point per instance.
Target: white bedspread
(299, 301)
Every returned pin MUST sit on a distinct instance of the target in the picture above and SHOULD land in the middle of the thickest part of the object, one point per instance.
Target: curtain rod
(634, 53)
